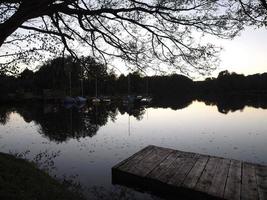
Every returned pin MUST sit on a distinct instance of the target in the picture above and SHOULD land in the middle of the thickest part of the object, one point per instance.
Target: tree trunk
(11, 25)
(27, 10)
(264, 3)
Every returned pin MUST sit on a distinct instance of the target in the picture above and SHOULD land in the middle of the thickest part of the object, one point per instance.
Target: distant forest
(62, 74)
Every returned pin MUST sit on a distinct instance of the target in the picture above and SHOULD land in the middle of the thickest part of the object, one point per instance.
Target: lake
(81, 145)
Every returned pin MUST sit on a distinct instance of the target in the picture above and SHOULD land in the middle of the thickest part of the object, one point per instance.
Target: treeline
(87, 77)
(227, 82)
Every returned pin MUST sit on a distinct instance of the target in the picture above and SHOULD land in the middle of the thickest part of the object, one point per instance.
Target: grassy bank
(22, 180)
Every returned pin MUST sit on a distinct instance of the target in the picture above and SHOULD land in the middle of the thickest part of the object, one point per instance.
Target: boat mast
(129, 82)
(82, 86)
(96, 86)
(146, 86)
(70, 82)
(82, 80)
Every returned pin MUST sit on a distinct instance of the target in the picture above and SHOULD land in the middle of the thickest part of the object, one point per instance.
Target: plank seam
(231, 161)
(241, 180)
(256, 178)
(202, 172)
(129, 158)
(213, 176)
(241, 173)
(190, 168)
(159, 163)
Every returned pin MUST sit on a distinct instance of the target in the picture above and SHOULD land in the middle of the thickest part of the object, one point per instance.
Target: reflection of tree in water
(137, 111)
(74, 123)
(60, 124)
(231, 103)
(5, 112)
(174, 102)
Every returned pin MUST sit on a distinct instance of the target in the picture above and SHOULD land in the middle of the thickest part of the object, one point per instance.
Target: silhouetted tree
(139, 32)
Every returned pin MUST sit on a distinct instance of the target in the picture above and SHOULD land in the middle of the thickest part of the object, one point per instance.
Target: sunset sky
(246, 54)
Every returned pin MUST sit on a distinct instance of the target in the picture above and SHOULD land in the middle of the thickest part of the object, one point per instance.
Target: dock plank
(160, 171)
(169, 172)
(184, 169)
(191, 175)
(249, 183)
(195, 173)
(220, 177)
(149, 161)
(205, 180)
(135, 158)
(261, 175)
(233, 183)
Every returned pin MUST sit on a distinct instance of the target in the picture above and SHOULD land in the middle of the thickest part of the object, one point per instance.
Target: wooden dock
(168, 172)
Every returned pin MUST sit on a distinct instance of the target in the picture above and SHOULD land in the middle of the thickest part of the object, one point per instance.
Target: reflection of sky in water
(197, 128)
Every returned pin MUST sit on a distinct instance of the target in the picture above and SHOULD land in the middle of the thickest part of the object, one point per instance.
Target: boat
(129, 99)
(80, 100)
(95, 100)
(106, 100)
(146, 100)
(69, 100)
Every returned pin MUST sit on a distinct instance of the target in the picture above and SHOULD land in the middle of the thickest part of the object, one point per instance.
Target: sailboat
(95, 99)
(69, 101)
(130, 98)
(80, 99)
(147, 99)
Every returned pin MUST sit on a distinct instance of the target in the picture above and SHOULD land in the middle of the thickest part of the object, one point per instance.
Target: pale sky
(246, 54)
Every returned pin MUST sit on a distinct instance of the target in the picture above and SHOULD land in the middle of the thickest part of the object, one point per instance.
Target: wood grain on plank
(136, 156)
(205, 180)
(161, 169)
(184, 169)
(195, 173)
(249, 189)
(169, 171)
(220, 177)
(261, 175)
(233, 183)
(149, 162)
(202, 174)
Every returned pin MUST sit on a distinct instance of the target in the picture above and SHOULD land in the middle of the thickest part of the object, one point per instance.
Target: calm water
(82, 144)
